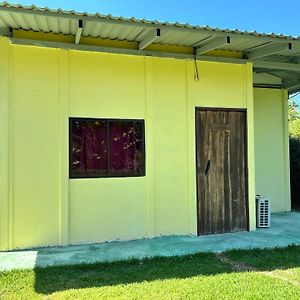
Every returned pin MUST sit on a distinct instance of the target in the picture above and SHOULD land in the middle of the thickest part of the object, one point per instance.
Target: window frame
(107, 175)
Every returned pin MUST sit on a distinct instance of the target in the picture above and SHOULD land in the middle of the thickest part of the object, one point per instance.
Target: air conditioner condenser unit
(263, 212)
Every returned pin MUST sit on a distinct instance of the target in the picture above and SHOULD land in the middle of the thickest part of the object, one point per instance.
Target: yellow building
(119, 129)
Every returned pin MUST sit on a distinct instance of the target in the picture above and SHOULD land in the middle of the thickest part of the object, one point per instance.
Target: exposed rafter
(262, 71)
(151, 37)
(267, 85)
(286, 75)
(268, 50)
(293, 85)
(129, 23)
(79, 32)
(295, 60)
(216, 43)
(294, 90)
(276, 65)
(5, 31)
(257, 64)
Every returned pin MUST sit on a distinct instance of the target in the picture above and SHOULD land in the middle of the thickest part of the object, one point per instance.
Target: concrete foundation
(284, 231)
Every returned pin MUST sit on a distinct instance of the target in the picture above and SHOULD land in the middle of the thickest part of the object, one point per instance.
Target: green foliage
(268, 259)
(294, 129)
(294, 120)
(293, 112)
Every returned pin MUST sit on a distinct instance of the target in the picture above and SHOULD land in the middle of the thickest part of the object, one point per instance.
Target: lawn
(244, 274)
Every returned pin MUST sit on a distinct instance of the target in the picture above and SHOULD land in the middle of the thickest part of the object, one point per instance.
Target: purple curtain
(89, 147)
(123, 148)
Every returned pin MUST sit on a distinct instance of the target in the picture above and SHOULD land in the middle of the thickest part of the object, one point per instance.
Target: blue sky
(260, 15)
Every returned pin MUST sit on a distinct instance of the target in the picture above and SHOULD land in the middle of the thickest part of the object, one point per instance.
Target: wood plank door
(222, 193)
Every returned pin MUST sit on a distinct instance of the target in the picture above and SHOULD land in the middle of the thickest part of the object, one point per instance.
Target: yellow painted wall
(44, 87)
(33, 146)
(34, 134)
(5, 146)
(106, 86)
(271, 147)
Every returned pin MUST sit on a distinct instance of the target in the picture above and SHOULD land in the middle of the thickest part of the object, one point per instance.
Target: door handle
(207, 167)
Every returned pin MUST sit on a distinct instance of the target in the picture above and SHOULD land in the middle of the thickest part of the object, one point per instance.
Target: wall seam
(63, 149)
(149, 136)
(192, 148)
(11, 149)
(248, 87)
(187, 106)
(5, 147)
(286, 151)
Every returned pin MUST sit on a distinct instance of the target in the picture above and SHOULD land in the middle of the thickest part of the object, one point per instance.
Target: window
(106, 148)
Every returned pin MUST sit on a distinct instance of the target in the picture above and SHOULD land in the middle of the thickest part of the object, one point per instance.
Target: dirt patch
(242, 267)
(236, 266)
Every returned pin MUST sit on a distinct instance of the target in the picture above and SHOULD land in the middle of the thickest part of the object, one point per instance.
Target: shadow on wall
(295, 172)
(55, 279)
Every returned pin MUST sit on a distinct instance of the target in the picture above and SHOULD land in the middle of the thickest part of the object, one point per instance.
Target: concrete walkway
(284, 231)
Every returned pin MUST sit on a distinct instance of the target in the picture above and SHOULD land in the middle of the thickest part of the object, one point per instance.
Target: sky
(265, 16)
(260, 15)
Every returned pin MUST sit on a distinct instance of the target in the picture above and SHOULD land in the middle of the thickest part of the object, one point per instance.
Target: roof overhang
(272, 54)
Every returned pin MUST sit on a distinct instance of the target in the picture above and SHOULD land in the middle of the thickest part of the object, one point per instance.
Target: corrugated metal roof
(39, 22)
(45, 19)
(96, 25)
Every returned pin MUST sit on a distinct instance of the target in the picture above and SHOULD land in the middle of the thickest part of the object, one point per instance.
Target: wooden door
(222, 194)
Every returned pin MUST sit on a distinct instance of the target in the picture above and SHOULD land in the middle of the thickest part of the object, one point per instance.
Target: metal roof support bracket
(214, 44)
(133, 23)
(294, 86)
(152, 36)
(276, 65)
(268, 50)
(6, 32)
(257, 64)
(79, 32)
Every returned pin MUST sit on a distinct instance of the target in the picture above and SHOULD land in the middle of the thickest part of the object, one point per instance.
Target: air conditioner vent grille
(263, 212)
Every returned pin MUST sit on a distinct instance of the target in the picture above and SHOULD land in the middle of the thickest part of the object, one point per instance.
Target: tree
(294, 129)
(293, 112)
(294, 120)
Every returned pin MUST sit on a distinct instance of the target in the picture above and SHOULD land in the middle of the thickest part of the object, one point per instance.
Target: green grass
(275, 275)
